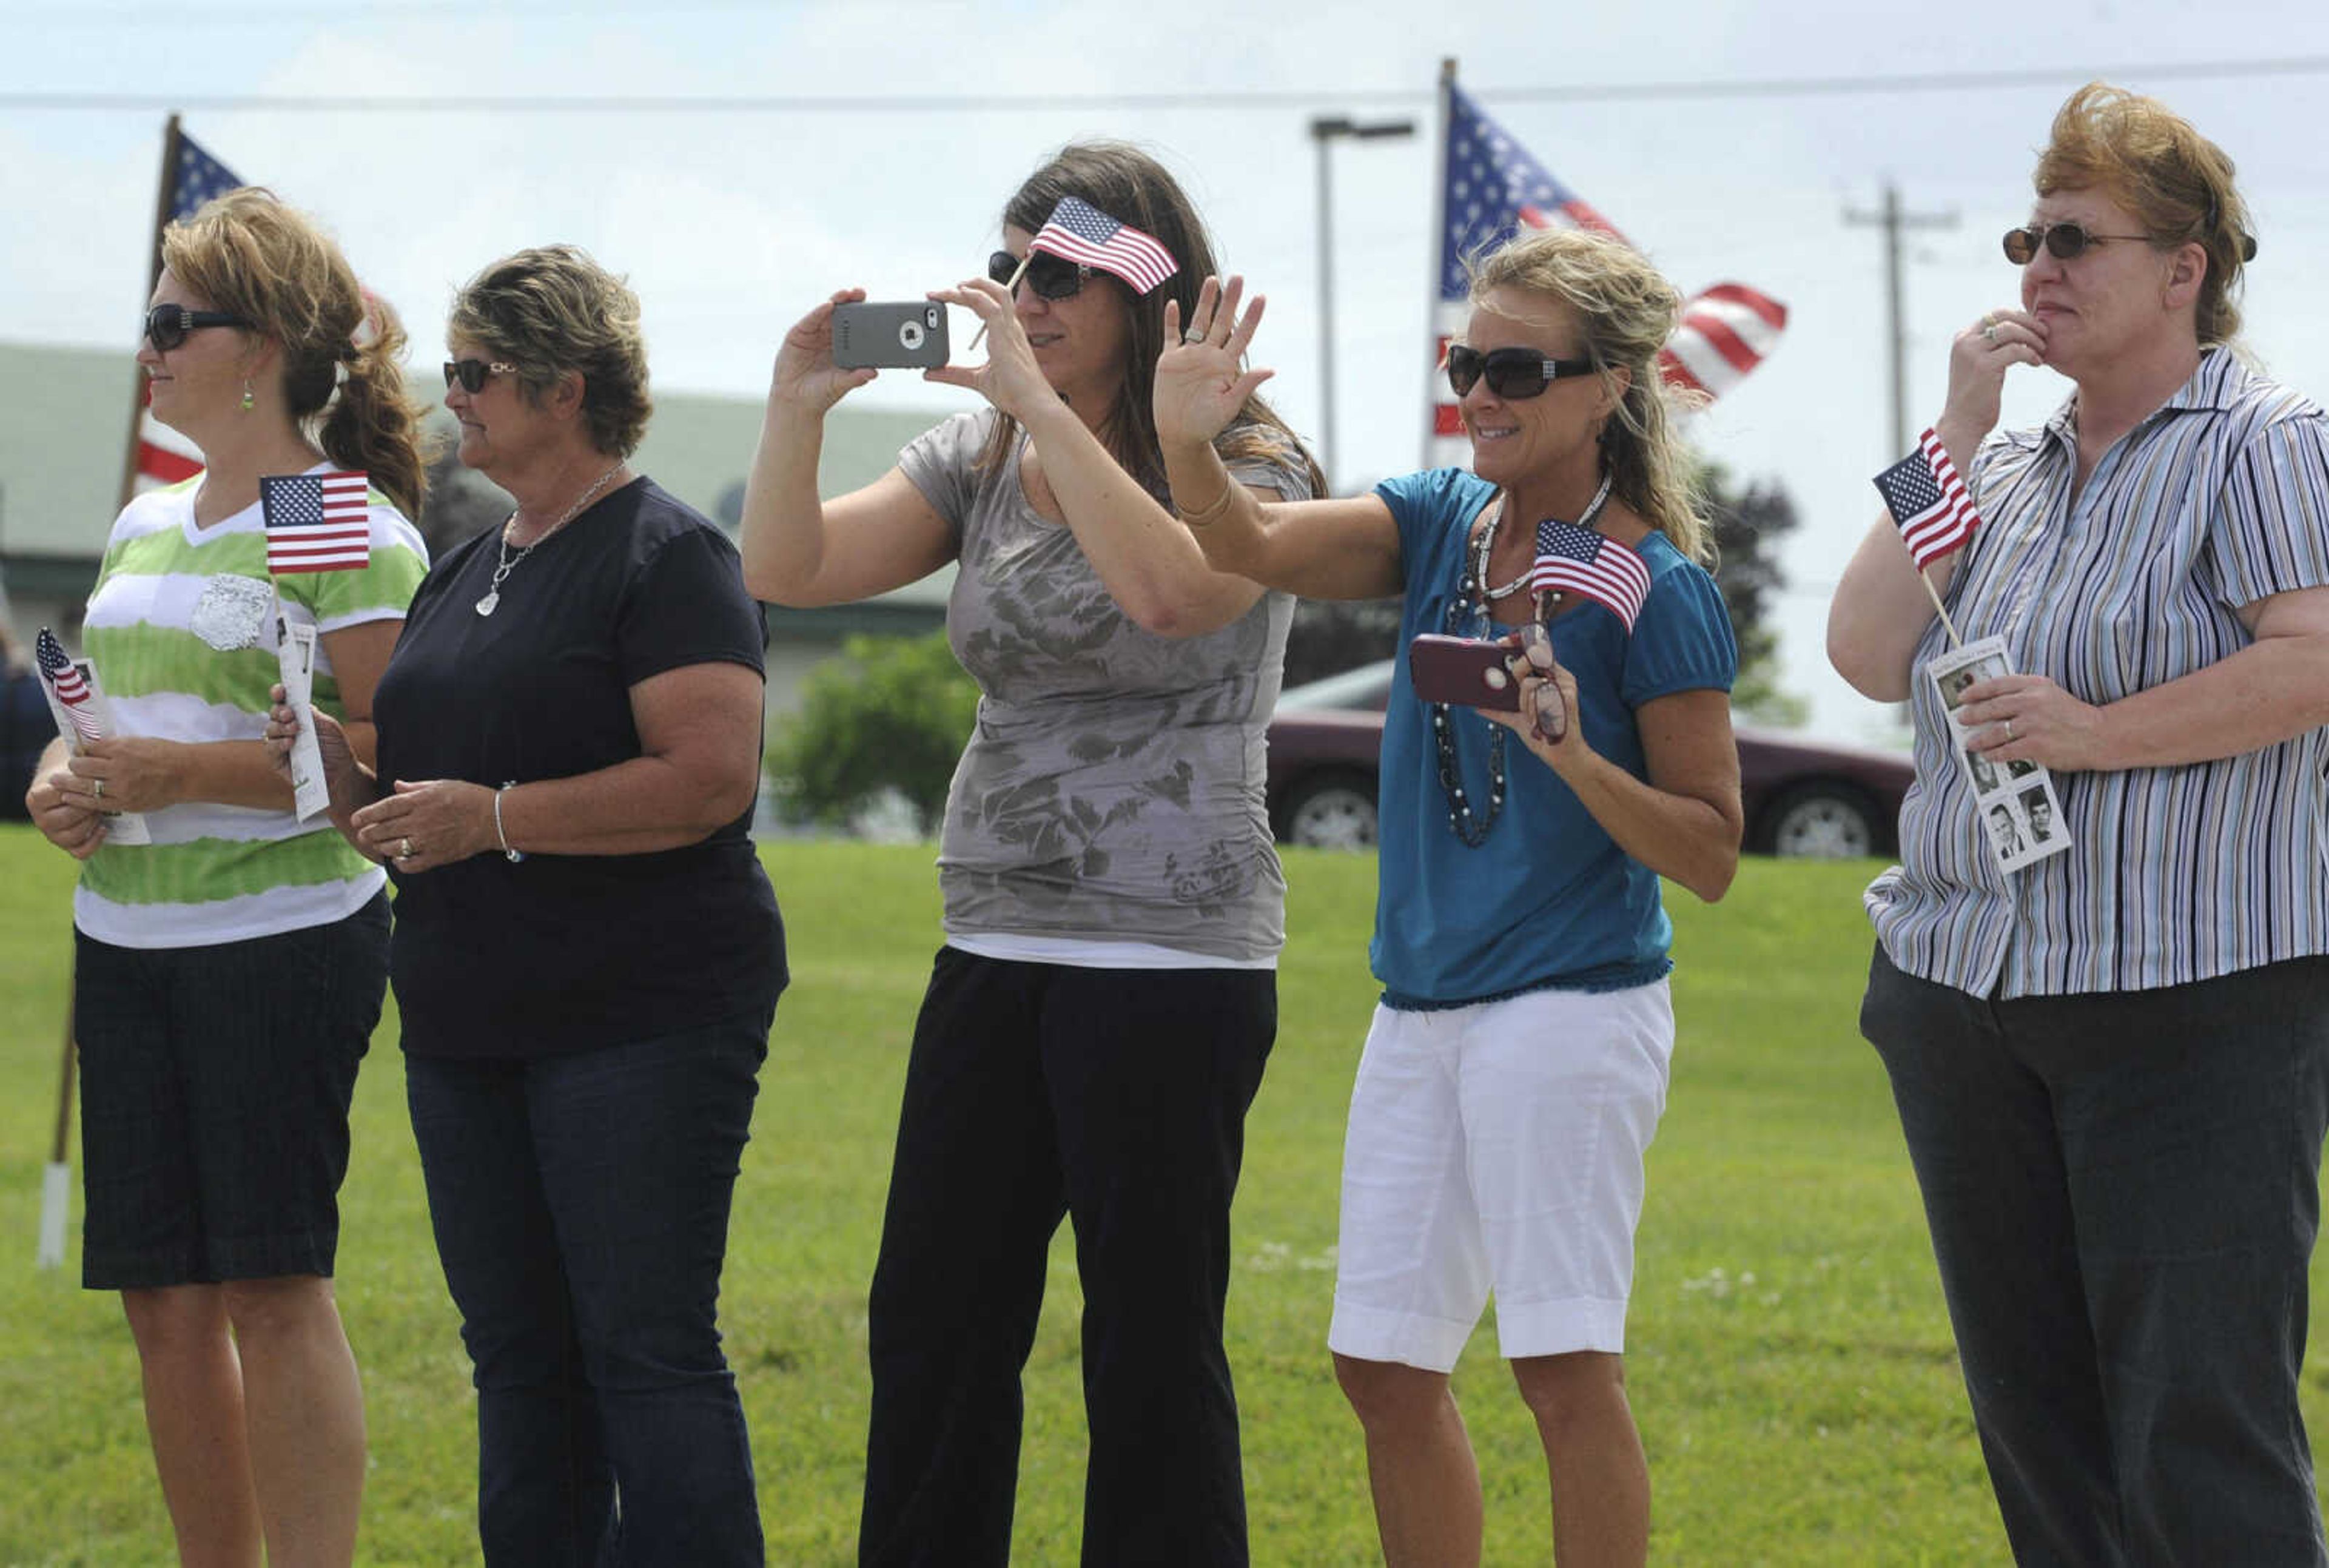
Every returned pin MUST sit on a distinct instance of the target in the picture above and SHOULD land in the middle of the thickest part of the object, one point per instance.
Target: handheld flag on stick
(67, 686)
(1080, 231)
(1930, 506)
(316, 522)
(1591, 565)
(1490, 189)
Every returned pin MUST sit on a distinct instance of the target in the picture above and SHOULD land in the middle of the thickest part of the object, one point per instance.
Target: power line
(1276, 98)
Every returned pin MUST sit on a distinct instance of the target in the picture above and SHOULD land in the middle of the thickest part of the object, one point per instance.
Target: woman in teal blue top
(1516, 1067)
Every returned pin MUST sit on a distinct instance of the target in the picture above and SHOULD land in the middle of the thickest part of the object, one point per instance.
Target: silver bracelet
(511, 855)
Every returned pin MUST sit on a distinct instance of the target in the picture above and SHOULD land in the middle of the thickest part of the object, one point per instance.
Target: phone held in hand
(898, 334)
(1465, 671)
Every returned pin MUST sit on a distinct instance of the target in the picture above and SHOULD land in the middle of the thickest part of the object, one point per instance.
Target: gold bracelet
(1215, 512)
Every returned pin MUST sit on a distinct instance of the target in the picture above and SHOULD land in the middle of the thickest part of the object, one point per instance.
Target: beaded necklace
(1473, 597)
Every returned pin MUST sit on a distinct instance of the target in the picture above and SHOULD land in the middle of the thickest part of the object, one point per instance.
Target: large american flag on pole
(1927, 501)
(189, 177)
(1081, 232)
(65, 679)
(1490, 189)
(1591, 565)
(316, 522)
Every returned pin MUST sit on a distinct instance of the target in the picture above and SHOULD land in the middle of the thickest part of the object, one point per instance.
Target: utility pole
(1892, 220)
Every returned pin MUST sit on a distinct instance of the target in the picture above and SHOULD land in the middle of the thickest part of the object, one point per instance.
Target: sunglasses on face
(1051, 277)
(166, 326)
(2063, 241)
(473, 373)
(1512, 372)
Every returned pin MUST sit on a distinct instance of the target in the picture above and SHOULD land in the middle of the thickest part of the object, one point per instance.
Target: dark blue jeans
(2124, 1191)
(581, 1205)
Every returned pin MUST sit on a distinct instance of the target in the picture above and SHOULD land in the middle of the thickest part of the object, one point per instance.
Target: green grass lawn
(1789, 1357)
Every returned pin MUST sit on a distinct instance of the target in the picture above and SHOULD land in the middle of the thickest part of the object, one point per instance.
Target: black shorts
(215, 1083)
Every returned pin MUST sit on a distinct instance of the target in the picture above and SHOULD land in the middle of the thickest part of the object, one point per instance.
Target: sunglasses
(1512, 372)
(2063, 241)
(1051, 277)
(473, 373)
(166, 326)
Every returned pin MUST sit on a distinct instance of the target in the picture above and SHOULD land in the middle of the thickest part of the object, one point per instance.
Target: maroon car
(1802, 797)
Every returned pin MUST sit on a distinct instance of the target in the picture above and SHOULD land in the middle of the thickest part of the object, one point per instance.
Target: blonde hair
(551, 309)
(2177, 182)
(1625, 312)
(249, 254)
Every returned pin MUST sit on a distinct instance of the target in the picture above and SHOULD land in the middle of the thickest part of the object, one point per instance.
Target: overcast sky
(731, 223)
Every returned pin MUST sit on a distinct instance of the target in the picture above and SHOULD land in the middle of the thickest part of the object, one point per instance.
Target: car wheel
(1823, 822)
(1334, 811)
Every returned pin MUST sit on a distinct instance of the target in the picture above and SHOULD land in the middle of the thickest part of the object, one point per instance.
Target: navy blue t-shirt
(558, 952)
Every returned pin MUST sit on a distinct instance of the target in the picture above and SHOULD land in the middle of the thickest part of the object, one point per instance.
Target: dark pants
(1115, 1096)
(2124, 1191)
(581, 1206)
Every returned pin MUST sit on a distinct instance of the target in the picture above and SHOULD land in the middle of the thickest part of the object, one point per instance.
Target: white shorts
(1498, 1145)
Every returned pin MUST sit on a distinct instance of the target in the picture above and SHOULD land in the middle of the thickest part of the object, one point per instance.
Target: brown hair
(248, 253)
(1134, 188)
(2173, 180)
(551, 309)
(1624, 310)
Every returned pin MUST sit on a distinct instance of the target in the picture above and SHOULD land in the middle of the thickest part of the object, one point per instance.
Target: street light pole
(1326, 129)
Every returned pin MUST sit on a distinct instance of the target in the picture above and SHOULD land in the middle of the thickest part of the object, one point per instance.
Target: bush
(887, 713)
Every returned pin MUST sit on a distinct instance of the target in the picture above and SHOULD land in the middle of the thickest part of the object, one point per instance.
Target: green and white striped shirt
(2218, 499)
(182, 630)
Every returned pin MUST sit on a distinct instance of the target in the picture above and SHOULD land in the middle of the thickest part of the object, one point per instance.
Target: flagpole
(1439, 268)
(170, 152)
(1011, 288)
(56, 1181)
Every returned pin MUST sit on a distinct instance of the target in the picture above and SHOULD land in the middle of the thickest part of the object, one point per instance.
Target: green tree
(887, 713)
(1748, 524)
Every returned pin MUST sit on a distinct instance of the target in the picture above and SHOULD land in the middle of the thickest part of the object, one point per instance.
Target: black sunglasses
(166, 326)
(1512, 372)
(1051, 277)
(473, 373)
(2063, 241)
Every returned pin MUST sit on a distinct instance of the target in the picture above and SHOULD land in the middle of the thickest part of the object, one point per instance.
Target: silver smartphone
(909, 333)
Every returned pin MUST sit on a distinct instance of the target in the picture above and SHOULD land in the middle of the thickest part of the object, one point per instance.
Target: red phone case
(1463, 670)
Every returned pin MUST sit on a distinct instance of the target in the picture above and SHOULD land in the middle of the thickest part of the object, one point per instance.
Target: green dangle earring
(249, 402)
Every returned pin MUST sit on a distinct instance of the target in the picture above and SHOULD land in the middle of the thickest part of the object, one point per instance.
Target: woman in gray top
(1097, 1022)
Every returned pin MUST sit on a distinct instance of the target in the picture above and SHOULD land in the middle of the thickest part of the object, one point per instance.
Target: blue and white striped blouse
(2218, 498)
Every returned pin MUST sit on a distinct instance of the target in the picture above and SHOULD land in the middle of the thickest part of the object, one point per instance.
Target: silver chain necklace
(507, 562)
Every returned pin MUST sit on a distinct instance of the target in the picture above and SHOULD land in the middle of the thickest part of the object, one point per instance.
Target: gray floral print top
(1113, 788)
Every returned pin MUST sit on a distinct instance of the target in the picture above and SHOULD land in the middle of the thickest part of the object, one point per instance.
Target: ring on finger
(97, 788)
(405, 851)
(1194, 335)
(2009, 735)
(1989, 332)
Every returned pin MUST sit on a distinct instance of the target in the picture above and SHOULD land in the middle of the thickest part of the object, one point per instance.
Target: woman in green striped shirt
(229, 973)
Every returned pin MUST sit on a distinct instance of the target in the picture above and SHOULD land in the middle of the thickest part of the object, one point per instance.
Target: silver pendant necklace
(1487, 539)
(507, 563)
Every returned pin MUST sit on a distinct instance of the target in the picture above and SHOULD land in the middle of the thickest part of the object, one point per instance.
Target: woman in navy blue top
(1517, 1065)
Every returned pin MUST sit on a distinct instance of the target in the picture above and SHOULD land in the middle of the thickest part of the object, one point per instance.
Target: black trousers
(2124, 1191)
(1116, 1097)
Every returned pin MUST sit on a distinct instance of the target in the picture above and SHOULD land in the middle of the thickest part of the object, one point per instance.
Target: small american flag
(65, 679)
(316, 522)
(1573, 560)
(1927, 501)
(1081, 232)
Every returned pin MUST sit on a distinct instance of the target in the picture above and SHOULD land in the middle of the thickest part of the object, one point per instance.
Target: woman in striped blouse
(2112, 1064)
(229, 974)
